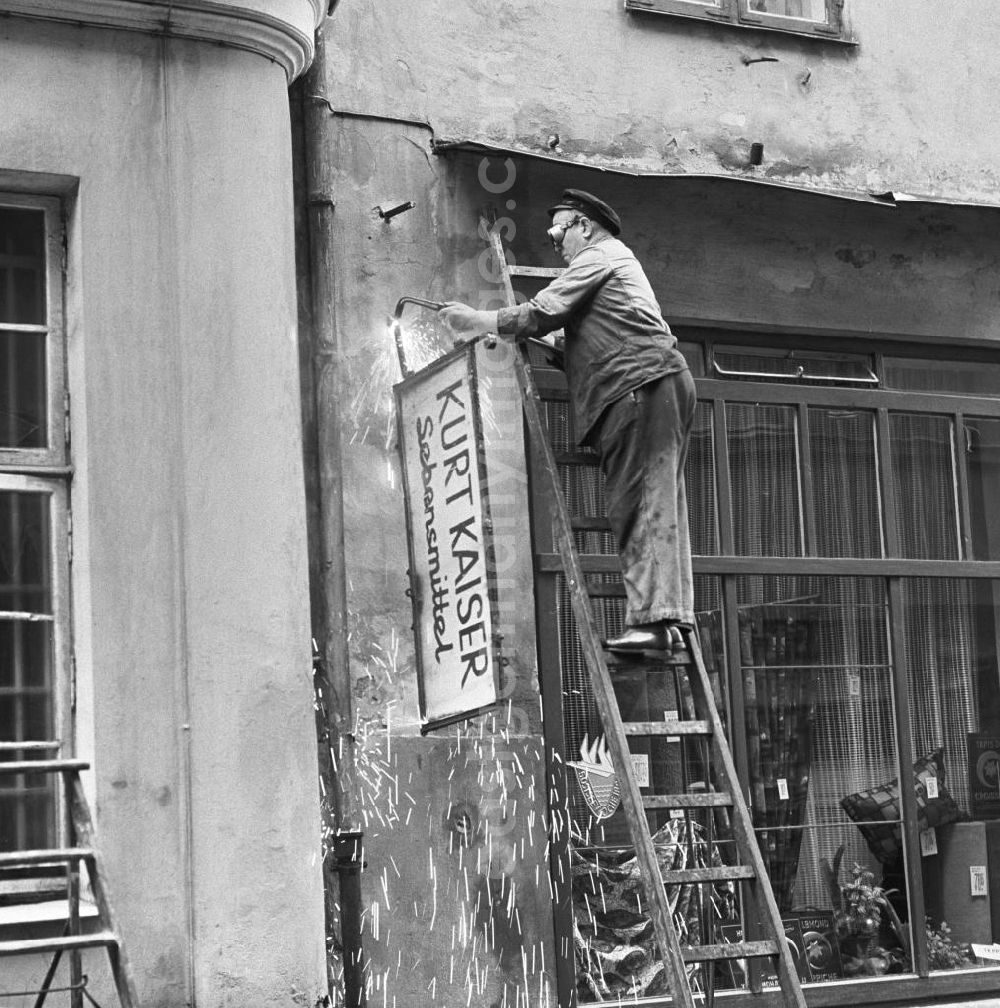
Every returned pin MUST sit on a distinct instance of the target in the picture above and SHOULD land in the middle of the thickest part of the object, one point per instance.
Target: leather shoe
(649, 637)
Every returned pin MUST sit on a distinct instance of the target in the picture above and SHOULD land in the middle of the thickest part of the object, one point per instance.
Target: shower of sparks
(371, 408)
(479, 877)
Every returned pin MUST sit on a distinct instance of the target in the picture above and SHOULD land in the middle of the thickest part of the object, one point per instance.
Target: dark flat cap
(585, 203)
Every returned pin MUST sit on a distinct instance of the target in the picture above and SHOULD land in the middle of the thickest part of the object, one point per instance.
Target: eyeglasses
(557, 232)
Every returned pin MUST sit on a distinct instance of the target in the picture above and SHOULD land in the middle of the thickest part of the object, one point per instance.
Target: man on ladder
(633, 401)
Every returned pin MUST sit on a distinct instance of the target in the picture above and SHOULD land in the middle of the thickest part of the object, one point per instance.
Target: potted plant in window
(861, 910)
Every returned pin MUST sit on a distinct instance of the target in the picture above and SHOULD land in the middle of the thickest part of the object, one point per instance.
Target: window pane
(923, 468)
(952, 670)
(845, 483)
(25, 570)
(23, 390)
(26, 664)
(982, 456)
(808, 10)
(699, 480)
(22, 266)
(958, 377)
(817, 696)
(27, 813)
(764, 477)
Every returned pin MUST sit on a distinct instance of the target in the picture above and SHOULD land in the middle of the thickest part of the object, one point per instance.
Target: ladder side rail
(632, 802)
(72, 898)
(50, 975)
(743, 830)
(83, 827)
(604, 697)
(500, 258)
(73, 928)
(601, 682)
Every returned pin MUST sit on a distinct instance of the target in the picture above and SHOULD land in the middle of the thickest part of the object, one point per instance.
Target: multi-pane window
(34, 540)
(847, 580)
(862, 487)
(810, 17)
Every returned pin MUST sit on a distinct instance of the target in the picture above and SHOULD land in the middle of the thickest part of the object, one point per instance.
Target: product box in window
(984, 775)
(822, 949)
(732, 933)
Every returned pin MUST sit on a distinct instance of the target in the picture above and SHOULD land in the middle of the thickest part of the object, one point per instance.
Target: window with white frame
(34, 520)
(823, 18)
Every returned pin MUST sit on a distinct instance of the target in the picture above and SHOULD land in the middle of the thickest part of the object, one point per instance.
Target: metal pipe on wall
(329, 590)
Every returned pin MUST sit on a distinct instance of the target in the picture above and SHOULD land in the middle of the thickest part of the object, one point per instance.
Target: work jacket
(615, 337)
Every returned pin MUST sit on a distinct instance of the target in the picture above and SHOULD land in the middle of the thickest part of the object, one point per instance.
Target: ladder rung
(643, 728)
(569, 458)
(42, 766)
(590, 523)
(10, 859)
(590, 563)
(735, 950)
(714, 799)
(645, 661)
(535, 271)
(719, 873)
(62, 943)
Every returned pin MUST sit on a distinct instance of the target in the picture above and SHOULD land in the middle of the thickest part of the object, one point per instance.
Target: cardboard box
(949, 880)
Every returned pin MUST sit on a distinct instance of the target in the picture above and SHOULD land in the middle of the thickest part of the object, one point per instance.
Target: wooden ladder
(761, 915)
(80, 849)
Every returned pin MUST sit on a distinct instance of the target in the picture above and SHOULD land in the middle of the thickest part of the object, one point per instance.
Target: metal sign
(452, 577)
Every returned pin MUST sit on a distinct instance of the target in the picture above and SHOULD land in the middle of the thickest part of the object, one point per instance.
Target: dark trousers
(642, 439)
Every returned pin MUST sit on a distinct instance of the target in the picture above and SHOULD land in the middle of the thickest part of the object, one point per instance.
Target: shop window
(821, 18)
(34, 534)
(846, 546)
(950, 640)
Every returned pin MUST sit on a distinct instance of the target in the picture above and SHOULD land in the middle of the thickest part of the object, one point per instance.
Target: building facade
(810, 187)
(155, 580)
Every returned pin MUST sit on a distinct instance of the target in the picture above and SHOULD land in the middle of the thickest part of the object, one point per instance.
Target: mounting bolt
(395, 210)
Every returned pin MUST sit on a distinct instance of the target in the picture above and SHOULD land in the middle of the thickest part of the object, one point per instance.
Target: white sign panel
(447, 516)
(991, 953)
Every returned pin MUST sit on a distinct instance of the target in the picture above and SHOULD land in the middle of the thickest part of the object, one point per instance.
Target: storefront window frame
(891, 567)
(714, 393)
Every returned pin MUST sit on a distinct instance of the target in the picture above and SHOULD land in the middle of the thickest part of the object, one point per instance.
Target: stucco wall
(910, 107)
(190, 588)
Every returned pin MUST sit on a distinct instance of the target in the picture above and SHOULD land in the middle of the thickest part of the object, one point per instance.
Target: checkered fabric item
(878, 811)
